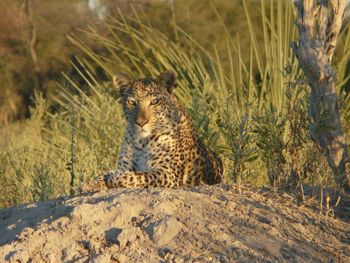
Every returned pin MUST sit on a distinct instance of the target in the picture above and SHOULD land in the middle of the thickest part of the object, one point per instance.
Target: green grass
(253, 110)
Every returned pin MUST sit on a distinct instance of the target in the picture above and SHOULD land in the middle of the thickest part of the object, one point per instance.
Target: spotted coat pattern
(160, 147)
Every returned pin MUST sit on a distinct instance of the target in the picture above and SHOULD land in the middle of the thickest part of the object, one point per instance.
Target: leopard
(160, 147)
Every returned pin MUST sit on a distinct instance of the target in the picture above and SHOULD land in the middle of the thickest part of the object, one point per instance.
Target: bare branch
(334, 25)
(32, 44)
(304, 18)
(322, 20)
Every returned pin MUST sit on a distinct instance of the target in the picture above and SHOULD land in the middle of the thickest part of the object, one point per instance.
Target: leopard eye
(130, 102)
(155, 101)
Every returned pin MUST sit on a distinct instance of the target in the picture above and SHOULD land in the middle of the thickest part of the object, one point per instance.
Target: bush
(253, 111)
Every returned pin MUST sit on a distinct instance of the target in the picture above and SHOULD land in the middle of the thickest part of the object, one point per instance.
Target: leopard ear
(167, 79)
(121, 80)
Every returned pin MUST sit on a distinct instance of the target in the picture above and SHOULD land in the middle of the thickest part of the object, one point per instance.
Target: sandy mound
(206, 224)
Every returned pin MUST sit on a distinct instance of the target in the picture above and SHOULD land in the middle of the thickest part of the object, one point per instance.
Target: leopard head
(148, 104)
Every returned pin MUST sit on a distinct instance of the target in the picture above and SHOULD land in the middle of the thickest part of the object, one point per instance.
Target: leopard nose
(141, 117)
(141, 122)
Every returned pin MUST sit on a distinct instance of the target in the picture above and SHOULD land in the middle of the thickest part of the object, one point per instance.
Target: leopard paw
(110, 178)
(91, 186)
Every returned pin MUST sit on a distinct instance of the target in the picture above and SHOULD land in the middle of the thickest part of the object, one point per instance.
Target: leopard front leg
(131, 179)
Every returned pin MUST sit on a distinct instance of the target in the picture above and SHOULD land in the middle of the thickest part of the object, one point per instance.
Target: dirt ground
(203, 224)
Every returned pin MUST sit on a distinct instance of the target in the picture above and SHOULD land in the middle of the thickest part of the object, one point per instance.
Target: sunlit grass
(253, 110)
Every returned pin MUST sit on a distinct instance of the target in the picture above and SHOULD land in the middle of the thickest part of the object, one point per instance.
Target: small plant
(270, 128)
(236, 130)
(43, 187)
(203, 112)
(297, 133)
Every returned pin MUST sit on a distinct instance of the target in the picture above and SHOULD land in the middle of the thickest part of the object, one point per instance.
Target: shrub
(252, 110)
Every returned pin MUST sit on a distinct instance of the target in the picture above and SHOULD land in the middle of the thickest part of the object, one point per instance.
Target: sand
(199, 224)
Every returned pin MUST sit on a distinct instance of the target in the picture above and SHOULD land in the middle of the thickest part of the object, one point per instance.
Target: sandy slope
(206, 224)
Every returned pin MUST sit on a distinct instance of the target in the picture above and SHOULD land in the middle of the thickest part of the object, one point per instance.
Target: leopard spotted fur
(160, 147)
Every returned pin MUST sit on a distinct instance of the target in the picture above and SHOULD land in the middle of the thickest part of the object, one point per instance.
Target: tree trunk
(32, 43)
(318, 33)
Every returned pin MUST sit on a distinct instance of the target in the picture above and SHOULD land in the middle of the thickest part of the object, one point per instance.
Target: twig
(321, 206)
(72, 153)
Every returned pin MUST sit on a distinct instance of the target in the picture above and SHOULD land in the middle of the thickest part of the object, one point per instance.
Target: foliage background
(236, 75)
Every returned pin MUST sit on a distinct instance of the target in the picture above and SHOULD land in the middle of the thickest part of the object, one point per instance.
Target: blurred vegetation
(236, 76)
(54, 20)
